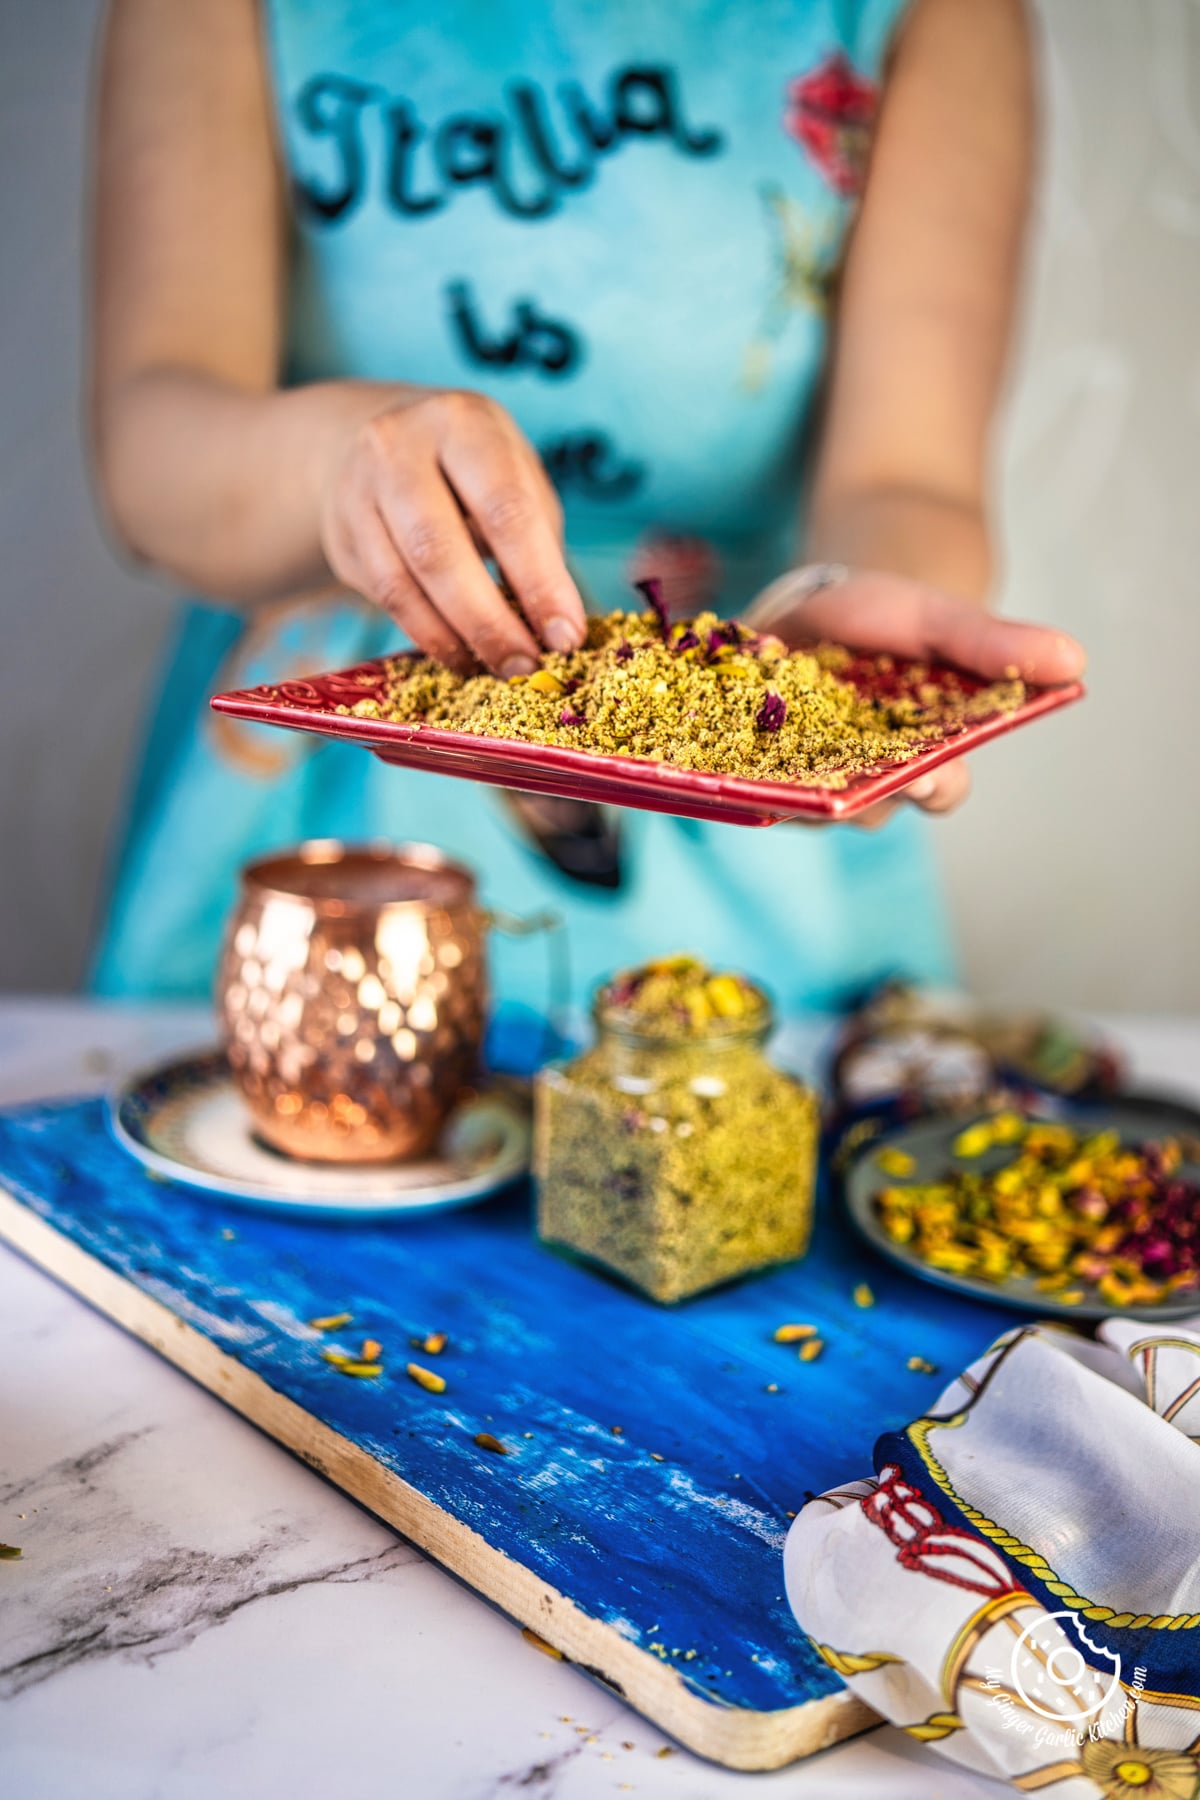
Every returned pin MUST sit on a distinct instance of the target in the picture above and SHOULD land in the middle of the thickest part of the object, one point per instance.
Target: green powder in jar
(673, 1152)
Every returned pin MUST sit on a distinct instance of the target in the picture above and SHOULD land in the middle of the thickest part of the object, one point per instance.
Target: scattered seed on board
(921, 1366)
(333, 1322)
(433, 1344)
(792, 1334)
(486, 1441)
(895, 1162)
(772, 1387)
(351, 1365)
(425, 1378)
(371, 1350)
(810, 1351)
(863, 1295)
(539, 1643)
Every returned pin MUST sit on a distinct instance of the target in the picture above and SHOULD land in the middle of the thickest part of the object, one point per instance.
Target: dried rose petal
(624, 651)
(771, 713)
(723, 635)
(567, 717)
(652, 591)
(688, 641)
(622, 990)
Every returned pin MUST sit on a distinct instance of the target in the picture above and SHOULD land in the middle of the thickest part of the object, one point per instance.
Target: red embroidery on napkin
(927, 1545)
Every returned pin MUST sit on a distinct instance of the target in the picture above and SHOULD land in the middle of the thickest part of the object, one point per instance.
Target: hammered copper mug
(352, 995)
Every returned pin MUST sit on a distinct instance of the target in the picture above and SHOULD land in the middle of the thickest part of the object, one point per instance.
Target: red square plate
(315, 705)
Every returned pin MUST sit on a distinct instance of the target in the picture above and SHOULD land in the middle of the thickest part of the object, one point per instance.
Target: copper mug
(352, 996)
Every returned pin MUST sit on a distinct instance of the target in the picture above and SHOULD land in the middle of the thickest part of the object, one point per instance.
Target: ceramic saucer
(186, 1122)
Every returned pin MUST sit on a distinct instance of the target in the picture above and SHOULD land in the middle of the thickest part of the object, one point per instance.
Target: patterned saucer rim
(361, 1191)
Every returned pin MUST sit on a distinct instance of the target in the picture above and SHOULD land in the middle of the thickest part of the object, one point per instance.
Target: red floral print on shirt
(830, 112)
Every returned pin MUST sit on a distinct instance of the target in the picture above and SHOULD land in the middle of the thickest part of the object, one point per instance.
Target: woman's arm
(928, 299)
(900, 492)
(206, 468)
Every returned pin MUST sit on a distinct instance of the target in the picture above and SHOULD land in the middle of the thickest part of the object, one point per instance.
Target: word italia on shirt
(530, 157)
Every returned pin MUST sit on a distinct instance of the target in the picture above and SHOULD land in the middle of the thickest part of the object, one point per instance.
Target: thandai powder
(672, 1152)
(704, 694)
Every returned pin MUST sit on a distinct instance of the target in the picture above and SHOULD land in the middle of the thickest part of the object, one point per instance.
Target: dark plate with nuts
(1088, 1218)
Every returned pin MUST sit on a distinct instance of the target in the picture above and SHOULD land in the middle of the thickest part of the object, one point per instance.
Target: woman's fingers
(942, 789)
(888, 612)
(955, 631)
(873, 817)
(446, 480)
(371, 564)
(498, 485)
(881, 612)
(429, 531)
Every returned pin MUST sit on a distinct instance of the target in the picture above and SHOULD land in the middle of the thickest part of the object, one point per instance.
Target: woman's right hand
(413, 498)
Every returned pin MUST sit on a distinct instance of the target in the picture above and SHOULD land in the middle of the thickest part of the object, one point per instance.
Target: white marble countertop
(251, 1633)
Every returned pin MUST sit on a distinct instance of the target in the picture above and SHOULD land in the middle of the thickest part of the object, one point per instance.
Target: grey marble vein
(69, 1469)
(540, 1778)
(101, 1576)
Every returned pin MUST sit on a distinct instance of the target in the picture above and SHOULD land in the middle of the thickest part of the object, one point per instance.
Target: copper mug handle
(555, 1035)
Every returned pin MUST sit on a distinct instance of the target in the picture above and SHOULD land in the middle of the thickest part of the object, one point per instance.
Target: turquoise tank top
(623, 219)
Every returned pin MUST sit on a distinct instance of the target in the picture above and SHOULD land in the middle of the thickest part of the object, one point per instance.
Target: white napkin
(1019, 1583)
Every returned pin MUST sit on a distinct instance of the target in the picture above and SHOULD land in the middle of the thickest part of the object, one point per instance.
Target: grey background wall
(1075, 873)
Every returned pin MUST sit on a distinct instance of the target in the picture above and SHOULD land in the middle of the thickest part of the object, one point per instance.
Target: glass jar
(676, 1163)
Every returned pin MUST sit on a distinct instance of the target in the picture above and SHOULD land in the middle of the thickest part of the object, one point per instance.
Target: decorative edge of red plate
(309, 705)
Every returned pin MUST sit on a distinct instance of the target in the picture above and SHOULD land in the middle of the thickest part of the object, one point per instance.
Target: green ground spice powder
(673, 1152)
(705, 695)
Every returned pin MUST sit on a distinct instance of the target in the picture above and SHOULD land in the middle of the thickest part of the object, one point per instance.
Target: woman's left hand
(871, 610)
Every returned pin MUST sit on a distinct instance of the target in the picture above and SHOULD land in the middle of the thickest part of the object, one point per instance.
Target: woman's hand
(878, 612)
(414, 498)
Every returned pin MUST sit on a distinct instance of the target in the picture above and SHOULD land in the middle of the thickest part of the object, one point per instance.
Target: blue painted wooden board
(662, 1577)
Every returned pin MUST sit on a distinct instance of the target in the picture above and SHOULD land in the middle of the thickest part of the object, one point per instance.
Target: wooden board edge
(735, 1737)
